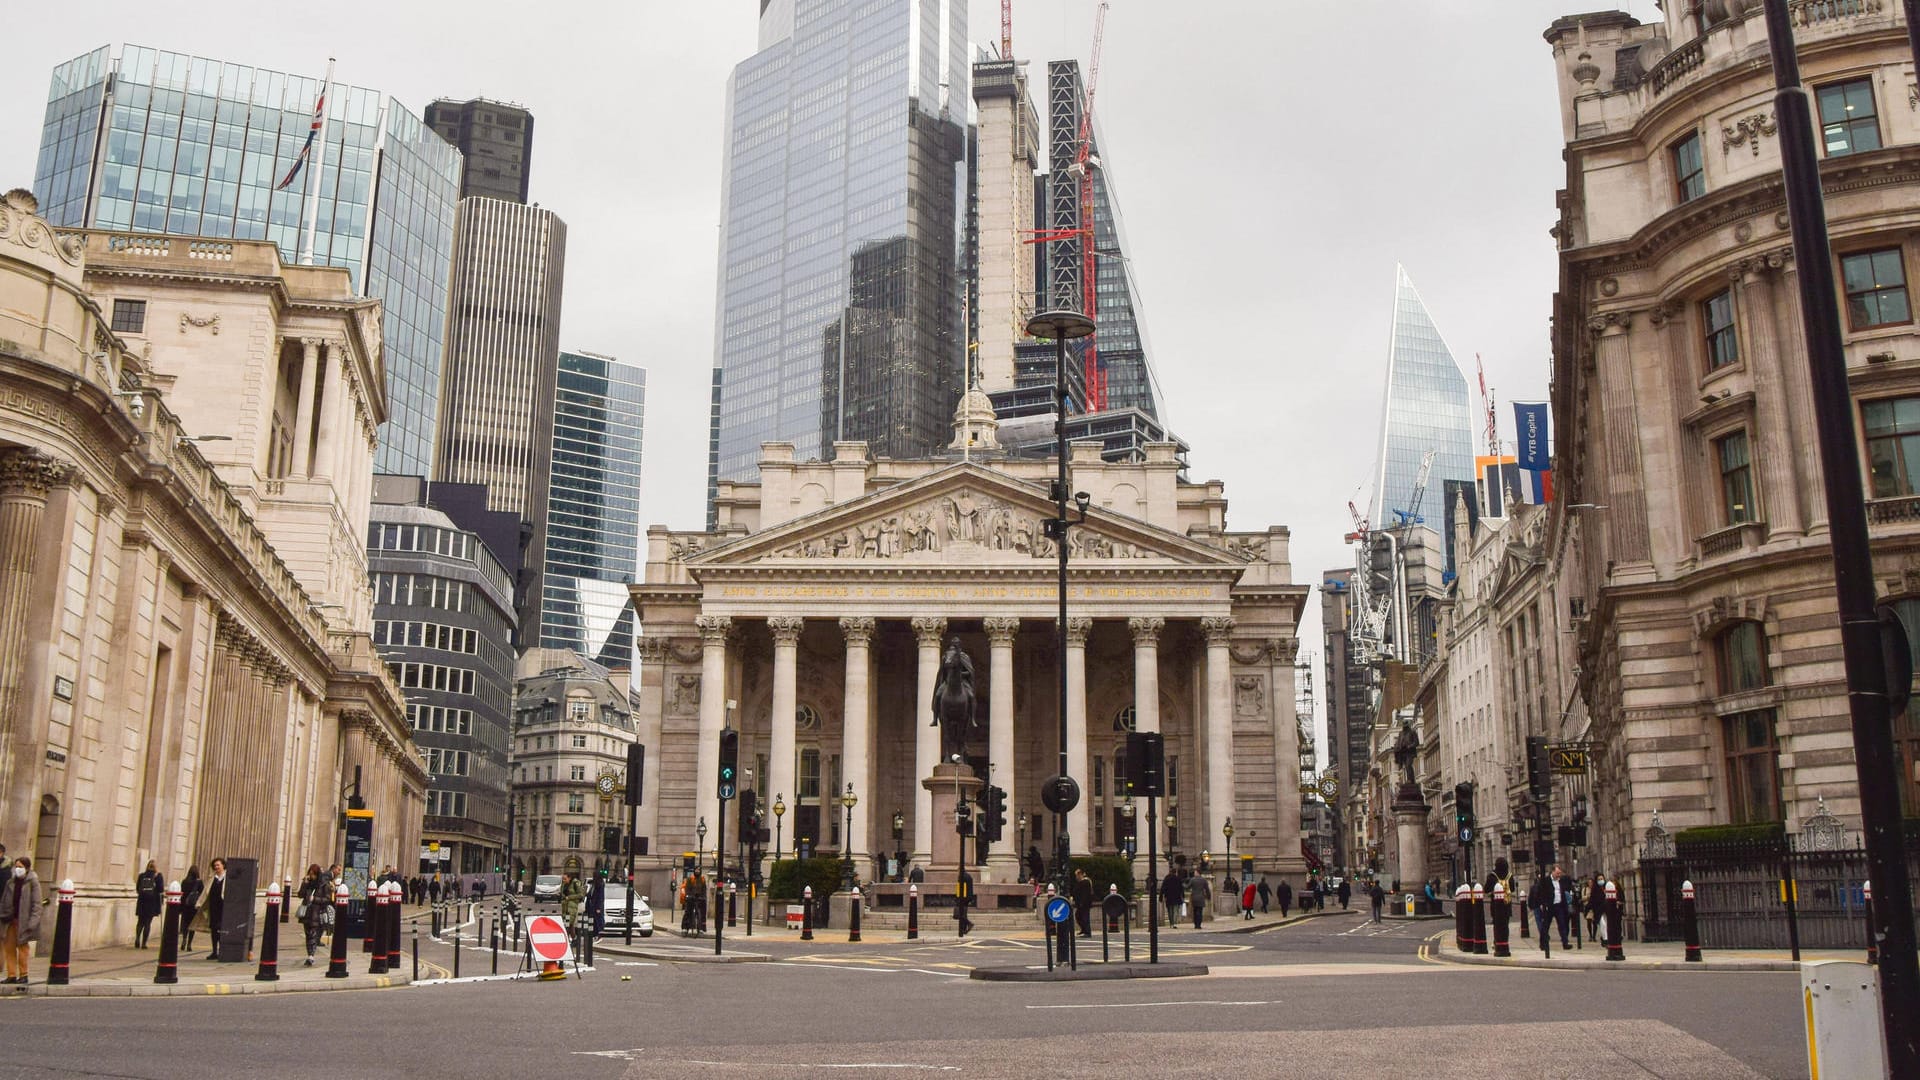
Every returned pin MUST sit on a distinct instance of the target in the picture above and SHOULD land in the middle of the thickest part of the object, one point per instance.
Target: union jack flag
(319, 112)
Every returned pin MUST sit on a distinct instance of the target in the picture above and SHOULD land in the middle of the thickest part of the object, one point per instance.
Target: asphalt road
(1324, 998)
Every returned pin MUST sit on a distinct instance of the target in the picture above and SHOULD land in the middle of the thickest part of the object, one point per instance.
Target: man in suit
(1558, 897)
(216, 904)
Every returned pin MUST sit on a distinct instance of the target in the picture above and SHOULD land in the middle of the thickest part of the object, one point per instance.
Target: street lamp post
(1023, 846)
(849, 800)
(779, 811)
(1131, 839)
(899, 835)
(1226, 830)
(700, 844)
(1062, 325)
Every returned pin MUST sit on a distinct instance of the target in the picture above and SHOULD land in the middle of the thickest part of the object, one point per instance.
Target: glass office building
(593, 508)
(161, 142)
(841, 276)
(1425, 409)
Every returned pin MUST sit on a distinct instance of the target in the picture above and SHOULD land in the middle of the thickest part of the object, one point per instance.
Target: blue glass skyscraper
(839, 309)
(593, 508)
(1425, 409)
(161, 142)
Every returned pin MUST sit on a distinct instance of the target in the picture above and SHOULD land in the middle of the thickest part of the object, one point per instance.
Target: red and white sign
(549, 939)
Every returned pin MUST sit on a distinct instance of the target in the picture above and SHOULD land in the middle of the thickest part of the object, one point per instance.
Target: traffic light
(636, 771)
(1146, 762)
(749, 815)
(1539, 769)
(963, 818)
(998, 809)
(1463, 808)
(610, 840)
(729, 762)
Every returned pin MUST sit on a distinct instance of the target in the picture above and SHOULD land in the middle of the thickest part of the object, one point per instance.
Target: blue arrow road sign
(1058, 910)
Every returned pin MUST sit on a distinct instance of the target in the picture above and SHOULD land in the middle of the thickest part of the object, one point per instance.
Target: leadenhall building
(813, 616)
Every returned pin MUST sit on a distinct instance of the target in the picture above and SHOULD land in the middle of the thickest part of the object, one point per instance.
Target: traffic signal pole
(729, 771)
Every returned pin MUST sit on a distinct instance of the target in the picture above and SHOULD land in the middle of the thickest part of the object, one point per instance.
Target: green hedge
(1765, 832)
(790, 876)
(1105, 870)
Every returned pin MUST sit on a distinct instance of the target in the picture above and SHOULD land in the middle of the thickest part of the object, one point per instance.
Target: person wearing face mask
(19, 919)
(216, 903)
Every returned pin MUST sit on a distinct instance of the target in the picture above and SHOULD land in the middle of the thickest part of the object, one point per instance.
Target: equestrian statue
(953, 702)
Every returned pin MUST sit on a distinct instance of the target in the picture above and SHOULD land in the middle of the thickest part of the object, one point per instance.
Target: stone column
(1078, 630)
(655, 650)
(1146, 693)
(26, 478)
(1218, 630)
(1003, 861)
(1613, 362)
(927, 630)
(1810, 480)
(333, 412)
(307, 366)
(713, 716)
(782, 723)
(1772, 444)
(856, 731)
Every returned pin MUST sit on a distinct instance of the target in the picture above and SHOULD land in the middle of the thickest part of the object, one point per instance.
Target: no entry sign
(548, 938)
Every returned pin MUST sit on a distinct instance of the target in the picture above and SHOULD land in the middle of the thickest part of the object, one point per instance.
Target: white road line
(826, 1065)
(1148, 1004)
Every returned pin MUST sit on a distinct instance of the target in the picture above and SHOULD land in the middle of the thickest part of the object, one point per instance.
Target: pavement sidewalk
(1640, 956)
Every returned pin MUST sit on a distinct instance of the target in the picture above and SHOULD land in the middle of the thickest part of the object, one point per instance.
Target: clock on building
(605, 784)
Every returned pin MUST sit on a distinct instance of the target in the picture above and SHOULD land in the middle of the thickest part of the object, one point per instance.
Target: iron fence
(1737, 893)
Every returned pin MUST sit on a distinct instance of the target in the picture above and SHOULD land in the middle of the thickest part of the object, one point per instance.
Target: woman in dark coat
(316, 907)
(190, 889)
(149, 896)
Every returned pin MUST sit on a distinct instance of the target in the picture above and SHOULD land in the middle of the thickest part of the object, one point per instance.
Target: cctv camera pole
(1860, 635)
(1061, 325)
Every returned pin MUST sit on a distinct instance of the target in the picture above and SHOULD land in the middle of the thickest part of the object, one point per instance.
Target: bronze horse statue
(953, 702)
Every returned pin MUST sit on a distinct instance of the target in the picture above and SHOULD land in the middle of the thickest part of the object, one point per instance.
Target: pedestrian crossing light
(729, 762)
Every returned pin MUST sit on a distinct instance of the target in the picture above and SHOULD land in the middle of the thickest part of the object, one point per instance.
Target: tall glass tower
(161, 142)
(593, 508)
(1425, 409)
(842, 231)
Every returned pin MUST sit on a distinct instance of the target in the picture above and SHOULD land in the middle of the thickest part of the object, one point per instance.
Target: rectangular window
(579, 742)
(573, 835)
(1893, 444)
(1723, 342)
(1753, 767)
(809, 774)
(576, 804)
(129, 316)
(1742, 653)
(1736, 478)
(1848, 124)
(1876, 285)
(579, 772)
(1688, 174)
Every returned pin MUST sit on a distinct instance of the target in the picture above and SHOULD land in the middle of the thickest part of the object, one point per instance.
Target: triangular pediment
(964, 513)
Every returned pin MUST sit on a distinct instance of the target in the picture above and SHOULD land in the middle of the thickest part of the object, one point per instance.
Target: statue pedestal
(1410, 826)
(950, 783)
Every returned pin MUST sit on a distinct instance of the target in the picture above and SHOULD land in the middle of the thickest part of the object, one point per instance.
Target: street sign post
(1059, 910)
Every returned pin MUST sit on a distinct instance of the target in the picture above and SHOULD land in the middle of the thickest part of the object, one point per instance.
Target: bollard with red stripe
(806, 914)
(270, 938)
(1479, 917)
(1614, 929)
(913, 913)
(337, 960)
(62, 937)
(1462, 898)
(168, 968)
(396, 895)
(853, 916)
(1690, 922)
(1873, 944)
(377, 929)
(1500, 914)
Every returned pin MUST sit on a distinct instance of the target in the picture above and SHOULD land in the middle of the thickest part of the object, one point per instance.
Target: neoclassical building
(1690, 532)
(186, 436)
(813, 617)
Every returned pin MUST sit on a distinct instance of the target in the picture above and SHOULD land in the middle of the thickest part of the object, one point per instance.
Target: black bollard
(806, 914)
(168, 969)
(62, 937)
(269, 970)
(377, 929)
(456, 954)
(1461, 902)
(393, 928)
(853, 916)
(286, 891)
(337, 960)
(416, 952)
(913, 913)
(1873, 945)
(1502, 910)
(1614, 951)
(1689, 922)
(1480, 920)
(733, 905)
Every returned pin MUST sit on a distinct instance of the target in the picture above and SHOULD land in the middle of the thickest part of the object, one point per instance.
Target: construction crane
(1411, 515)
(1486, 402)
(1006, 29)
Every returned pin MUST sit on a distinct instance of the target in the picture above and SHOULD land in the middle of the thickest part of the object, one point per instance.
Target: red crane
(1006, 29)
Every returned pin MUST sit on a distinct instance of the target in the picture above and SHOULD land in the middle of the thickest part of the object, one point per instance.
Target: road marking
(634, 963)
(1310, 970)
(826, 1065)
(1147, 1004)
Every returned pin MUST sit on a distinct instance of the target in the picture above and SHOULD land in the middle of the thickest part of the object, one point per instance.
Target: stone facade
(185, 670)
(572, 724)
(1697, 574)
(813, 616)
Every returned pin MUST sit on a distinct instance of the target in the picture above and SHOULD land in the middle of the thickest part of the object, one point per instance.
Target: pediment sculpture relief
(965, 520)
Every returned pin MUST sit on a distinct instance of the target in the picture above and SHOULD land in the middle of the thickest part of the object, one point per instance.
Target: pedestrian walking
(1247, 897)
(1378, 896)
(316, 908)
(597, 906)
(1199, 892)
(149, 898)
(1596, 896)
(571, 894)
(433, 888)
(1266, 894)
(191, 888)
(1284, 894)
(1171, 893)
(1560, 904)
(216, 907)
(19, 918)
(1083, 902)
(1345, 892)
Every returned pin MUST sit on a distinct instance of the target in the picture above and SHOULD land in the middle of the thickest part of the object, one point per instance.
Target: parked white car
(616, 913)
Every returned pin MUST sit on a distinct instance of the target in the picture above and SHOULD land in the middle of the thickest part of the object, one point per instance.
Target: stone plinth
(950, 784)
(1410, 825)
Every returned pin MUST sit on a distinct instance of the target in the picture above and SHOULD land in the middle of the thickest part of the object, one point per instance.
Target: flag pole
(313, 175)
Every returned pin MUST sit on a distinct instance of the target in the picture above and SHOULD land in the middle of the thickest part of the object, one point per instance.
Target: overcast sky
(1274, 161)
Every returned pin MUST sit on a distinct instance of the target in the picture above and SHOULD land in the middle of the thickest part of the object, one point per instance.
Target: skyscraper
(495, 141)
(841, 231)
(593, 510)
(1425, 408)
(1007, 151)
(503, 360)
(162, 142)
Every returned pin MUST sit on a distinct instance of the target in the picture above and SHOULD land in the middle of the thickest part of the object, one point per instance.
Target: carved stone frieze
(21, 225)
(210, 323)
(1747, 131)
(966, 521)
(683, 697)
(1727, 609)
(1249, 696)
(1610, 322)
(653, 648)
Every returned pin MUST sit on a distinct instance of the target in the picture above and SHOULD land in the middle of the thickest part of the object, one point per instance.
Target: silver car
(616, 913)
